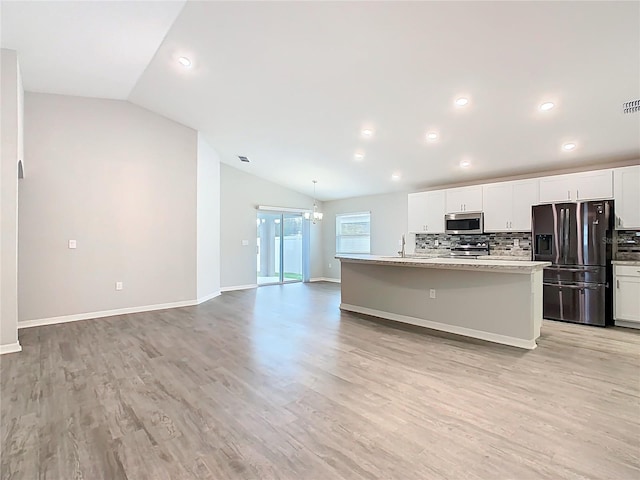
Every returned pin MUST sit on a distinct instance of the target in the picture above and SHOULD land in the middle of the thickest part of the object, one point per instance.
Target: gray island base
(495, 300)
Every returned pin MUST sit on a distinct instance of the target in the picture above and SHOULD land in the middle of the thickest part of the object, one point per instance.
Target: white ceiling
(85, 48)
(291, 84)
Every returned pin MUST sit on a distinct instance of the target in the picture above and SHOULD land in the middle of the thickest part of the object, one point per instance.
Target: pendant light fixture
(315, 216)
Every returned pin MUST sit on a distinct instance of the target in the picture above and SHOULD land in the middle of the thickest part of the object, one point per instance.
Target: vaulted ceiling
(291, 85)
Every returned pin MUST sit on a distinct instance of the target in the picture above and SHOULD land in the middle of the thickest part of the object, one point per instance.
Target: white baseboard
(105, 313)
(206, 298)
(325, 279)
(238, 287)
(10, 348)
(443, 327)
(627, 324)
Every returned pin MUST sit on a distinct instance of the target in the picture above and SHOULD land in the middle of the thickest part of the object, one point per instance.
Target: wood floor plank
(278, 383)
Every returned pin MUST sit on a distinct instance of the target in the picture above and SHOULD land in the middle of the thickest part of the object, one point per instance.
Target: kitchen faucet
(402, 252)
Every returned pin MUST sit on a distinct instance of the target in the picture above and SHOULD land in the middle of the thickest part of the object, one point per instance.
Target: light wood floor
(278, 383)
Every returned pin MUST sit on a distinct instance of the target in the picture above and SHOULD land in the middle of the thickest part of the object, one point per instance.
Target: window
(353, 232)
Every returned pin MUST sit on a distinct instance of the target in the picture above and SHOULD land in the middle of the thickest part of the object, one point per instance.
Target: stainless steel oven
(464, 223)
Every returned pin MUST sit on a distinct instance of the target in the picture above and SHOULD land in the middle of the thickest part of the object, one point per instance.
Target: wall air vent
(243, 159)
(631, 107)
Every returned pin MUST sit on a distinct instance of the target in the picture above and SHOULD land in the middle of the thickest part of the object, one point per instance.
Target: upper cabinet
(507, 205)
(464, 199)
(626, 192)
(577, 187)
(426, 212)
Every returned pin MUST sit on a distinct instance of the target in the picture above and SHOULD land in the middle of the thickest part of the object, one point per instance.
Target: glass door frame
(303, 246)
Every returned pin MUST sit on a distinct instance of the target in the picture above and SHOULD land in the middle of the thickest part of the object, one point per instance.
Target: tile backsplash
(499, 243)
(628, 245)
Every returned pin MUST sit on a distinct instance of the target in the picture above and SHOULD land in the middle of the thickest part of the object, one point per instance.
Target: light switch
(119, 285)
(245, 243)
(73, 244)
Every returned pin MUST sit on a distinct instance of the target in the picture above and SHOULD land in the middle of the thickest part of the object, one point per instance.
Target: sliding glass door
(279, 247)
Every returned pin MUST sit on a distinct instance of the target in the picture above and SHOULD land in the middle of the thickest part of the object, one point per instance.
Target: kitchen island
(495, 300)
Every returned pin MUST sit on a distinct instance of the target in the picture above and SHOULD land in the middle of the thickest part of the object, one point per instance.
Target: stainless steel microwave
(464, 223)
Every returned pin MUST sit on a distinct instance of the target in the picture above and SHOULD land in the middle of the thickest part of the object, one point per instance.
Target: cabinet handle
(568, 194)
(617, 283)
(577, 194)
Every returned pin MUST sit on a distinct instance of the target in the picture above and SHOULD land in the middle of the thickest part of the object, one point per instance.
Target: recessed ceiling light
(184, 61)
(358, 156)
(465, 163)
(567, 147)
(546, 106)
(462, 101)
(367, 132)
(432, 136)
(395, 176)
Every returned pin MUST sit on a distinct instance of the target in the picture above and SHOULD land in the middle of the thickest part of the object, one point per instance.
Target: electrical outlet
(329, 265)
(516, 242)
(436, 242)
(119, 286)
(245, 243)
(432, 293)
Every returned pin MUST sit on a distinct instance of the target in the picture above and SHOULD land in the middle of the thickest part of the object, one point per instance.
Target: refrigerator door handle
(561, 235)
(572, 287)
(565, 234)
(571, 269)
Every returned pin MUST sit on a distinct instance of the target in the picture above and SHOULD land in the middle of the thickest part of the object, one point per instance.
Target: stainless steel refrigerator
(576, 238)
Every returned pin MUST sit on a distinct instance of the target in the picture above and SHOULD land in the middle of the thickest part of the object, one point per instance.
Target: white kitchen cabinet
(627, 293)
(507, 205)
(525, 195)
(464, 199)
(575, 187)
(626, 192)
(496, 200)
(426, 212)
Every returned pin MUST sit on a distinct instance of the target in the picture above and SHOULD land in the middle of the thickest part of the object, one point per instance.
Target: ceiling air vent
(243, 159)
(631, 107)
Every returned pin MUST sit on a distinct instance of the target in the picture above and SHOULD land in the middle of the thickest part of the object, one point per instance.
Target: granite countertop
(519, 258)
(514, 258)
(634, 263)
(484, 264)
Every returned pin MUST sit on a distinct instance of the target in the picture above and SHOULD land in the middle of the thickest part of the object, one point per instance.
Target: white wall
(208, 218)
(388, 223)
(241, 193)
(122, 182)
(11, 148)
